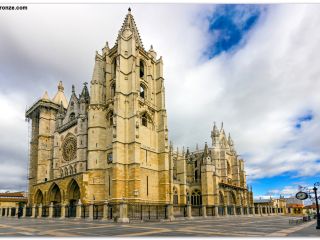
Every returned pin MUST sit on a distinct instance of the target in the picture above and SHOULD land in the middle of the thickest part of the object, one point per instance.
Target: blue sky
(254, 67)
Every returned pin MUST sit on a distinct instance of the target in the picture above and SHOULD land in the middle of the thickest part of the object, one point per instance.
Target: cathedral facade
(111, 143)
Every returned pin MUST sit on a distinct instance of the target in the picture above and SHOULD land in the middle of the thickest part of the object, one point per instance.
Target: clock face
(301, 195)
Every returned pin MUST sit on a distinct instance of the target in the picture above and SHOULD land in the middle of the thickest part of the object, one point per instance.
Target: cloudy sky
(254, 67)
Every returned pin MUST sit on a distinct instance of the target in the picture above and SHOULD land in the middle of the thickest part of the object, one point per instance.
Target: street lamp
(317, 205)
(304, 195)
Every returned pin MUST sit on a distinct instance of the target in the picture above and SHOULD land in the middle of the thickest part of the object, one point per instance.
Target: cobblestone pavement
(237, 226)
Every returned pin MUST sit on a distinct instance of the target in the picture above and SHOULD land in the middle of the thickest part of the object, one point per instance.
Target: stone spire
(206, 150)
(129, 27)
(230, 141)
(45, 96)
(98, 72)
(84, 96)
(60, 97)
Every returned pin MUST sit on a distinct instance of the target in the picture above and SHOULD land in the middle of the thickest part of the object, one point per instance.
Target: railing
(148, 212)
(230, 210)
(179, 211)
(28, 211)
(13, 212)
(221, 211)
(238, 210)
(70, 211)
(56, 211)
(196, 210)
(45, 211)
(85, 211)
(98, 211)
(210, 210)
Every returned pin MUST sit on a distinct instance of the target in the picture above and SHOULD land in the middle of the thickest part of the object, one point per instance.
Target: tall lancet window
(142, 91)
(141, 69)
(114, 67)
(113, 89)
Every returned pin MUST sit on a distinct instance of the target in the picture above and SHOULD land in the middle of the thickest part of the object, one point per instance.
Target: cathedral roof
(129, 24)
(60, 97)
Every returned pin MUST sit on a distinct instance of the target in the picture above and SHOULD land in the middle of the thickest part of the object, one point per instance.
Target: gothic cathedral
(111, 143)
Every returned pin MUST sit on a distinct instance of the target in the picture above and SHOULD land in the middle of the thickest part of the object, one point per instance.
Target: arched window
(142, 91)
(221, 198)
(141, 68)
(228, 168)
(113, 90)
(196, 198)
(110, 118)
(175, 197)
(144, 120)
(114, 67)
(72, 105)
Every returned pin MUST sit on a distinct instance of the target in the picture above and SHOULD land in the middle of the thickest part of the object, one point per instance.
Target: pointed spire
(152, 52)
(98, 71)
(177, 150)
(73, 89)
(183, 150)
(45, 96)
(187, 153)
(129, 24)
(60, 97)
(84, 96)
(206, 150)
(221, 126)
(215, 131)
(230, 140)
(197, 147)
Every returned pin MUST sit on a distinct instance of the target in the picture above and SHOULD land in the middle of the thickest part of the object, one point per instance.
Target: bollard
(216, 211)
(170, 212)
(63, 211)
(24, 211)
(50, 210)
(189, 211)
(40, 211)
(204, 211)
(78, 210)
(90, 211)
(105, 211)
(123, 213)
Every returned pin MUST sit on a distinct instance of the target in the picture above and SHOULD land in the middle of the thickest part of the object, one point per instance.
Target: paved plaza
(239, 226)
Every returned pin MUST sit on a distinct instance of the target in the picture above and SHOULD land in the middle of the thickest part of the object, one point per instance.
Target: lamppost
(317, 205)
(304, 195)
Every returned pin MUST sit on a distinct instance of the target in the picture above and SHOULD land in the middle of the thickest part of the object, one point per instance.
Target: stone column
(226, 211)
(10, 210)
(260, 210)
(24, 211)
(78, 210)
(277, 209)
(216, 211)
(90, 211)
(123, 218)
(17, 210)
(204, 211)
(50, 210)
(269, 210)
(253, 211)
(33, 213)
(63, 211)
(234, 210)
(40, 211)
(241, 210)
(5, 212)
(170, 212)
(0, 212)
(105, 211)
(189, 211)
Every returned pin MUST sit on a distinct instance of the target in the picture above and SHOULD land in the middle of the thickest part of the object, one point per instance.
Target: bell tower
(128, 121)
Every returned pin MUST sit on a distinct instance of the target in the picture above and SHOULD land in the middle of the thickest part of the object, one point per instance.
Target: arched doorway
(38, 197)
(73, 192)
(73, 195)
(221, 205)
(55, 194)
